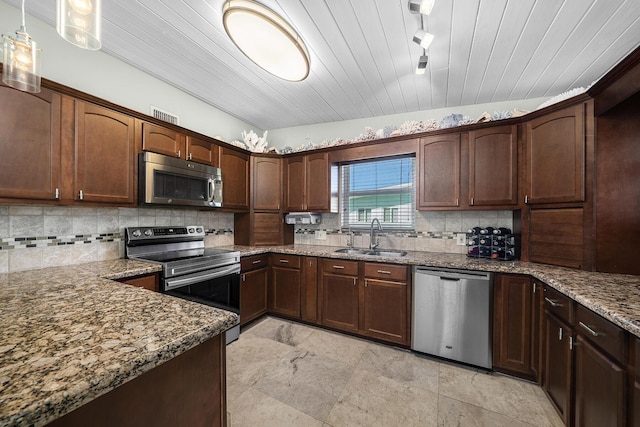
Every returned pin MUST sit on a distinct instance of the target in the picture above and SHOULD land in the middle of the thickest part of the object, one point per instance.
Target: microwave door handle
(210, 190)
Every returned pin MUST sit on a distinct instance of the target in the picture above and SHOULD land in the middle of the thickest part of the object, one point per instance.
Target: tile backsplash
(434, 231)
(47, 236)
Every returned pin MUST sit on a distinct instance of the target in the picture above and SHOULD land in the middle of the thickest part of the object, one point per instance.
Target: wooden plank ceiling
(362, 56)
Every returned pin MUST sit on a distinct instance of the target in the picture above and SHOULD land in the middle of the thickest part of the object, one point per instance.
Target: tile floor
(282, 373)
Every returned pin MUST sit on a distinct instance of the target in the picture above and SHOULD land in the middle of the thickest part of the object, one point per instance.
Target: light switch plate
(461, 239)
(321, 235)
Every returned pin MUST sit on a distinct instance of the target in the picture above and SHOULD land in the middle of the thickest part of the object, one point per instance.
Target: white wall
(101, 75)
(349, 129)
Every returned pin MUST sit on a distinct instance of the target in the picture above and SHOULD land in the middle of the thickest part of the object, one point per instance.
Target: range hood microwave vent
(165, 116)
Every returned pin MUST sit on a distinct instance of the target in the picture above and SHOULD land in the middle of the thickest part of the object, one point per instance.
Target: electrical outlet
(461, 239)
(321, 235)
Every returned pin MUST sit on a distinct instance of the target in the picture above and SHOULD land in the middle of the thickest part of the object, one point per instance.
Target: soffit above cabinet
(363, 57)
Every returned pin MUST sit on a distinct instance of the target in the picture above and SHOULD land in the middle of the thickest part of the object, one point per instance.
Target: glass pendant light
(21, 60)
(80, 22)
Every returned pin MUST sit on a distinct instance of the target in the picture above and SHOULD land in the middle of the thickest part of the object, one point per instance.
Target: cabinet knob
(526, 199)
(57, 194)
(354, 281)
(285, 261)
(339, 267)
(190, 156)
(384, 272)
(588, 329)
(472, 201)
(81, 195)
(179, 153)
(257, 261)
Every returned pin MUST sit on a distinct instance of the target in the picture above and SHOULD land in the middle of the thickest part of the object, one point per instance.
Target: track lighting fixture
(423, 38)
(422, 64)
(21, 60)
(421, 6)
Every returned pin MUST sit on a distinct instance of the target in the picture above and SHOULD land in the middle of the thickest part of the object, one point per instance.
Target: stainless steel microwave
(165, 180)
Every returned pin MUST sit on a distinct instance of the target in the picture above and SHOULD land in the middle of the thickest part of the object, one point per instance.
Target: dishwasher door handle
(450, 279)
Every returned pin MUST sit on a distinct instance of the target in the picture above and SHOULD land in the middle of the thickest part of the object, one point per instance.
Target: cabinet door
(340, 301)
(309, 298)
(512, 324)
(557, 382)
(318, 184)
(235, 178)
(266, 183)
(285, 295)
(555, 151)
(295, 185)
(201, 151)
(493, 166)
(163, 140)
(29, 144)
(386, 310)
(599, 388)
(634, 398)
(105, 155)
(253, 294)
(439, 171)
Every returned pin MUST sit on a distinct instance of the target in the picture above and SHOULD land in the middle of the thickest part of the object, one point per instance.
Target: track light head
(423, 38)
(421, 6)
(422, 64)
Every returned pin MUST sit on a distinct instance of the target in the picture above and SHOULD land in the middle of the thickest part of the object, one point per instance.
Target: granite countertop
(615, 297)
(70, 334)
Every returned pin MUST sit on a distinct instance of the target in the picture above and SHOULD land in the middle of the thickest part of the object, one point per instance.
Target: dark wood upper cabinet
(202, 151)
(555, 157)
(438, 183)
(104, 155)
(30, 147)
(266, 183)
(235, 178)
(163, 140)
(493, 166)
(307, 183)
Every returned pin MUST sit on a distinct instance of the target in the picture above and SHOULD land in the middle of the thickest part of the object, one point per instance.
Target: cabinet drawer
(340, 266)
(374, 270)
(558, 304)
(289, 261)
(256, 261)
(601, 332)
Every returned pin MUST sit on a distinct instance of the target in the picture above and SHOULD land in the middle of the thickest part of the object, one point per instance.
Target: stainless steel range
(190, 271)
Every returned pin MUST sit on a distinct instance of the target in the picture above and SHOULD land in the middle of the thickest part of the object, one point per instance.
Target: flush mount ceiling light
(21, 60)
(422, 64)
(421, 6)
(423, 38)
(266, 39)
(80, 22)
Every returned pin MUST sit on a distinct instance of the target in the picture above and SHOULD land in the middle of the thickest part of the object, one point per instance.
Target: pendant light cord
(24, 25)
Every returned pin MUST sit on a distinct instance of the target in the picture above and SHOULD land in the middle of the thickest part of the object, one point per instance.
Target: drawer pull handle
(552, 303)
(285, 261)
(257, 262)
(339, 267)
(588, 329)
(384, 272)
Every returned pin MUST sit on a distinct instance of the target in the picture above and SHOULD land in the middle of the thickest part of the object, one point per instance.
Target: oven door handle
(185, 281)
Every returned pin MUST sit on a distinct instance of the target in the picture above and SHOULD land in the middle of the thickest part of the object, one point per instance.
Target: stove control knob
(148, 233)
(199, 229)
(136, 233)
(191, 229)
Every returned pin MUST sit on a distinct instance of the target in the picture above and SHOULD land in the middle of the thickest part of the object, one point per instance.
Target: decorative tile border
(8, 243)
(449, 235)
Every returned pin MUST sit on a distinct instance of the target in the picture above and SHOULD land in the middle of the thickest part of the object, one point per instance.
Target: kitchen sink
(387, 254)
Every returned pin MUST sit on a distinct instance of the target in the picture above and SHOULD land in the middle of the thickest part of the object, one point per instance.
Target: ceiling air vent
(165, 116)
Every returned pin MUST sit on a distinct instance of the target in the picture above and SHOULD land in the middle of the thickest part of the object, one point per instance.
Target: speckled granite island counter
(71, 334)
(615, 297)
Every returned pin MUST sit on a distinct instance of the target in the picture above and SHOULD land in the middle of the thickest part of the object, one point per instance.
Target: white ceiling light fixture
(21, 60)
(266, 39)
(423, 38)
(422, 64)
(80, 22)
(421, 6)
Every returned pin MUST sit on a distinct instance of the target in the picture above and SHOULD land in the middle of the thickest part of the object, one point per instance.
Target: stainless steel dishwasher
(452, 314)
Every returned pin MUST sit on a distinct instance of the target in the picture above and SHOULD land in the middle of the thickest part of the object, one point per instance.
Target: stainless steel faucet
(373, 239)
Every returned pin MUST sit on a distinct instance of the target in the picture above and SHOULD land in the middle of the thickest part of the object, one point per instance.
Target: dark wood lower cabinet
(253, 294)
(386, 310)
(558, 364)
(599, 388)
(284, 295)
(634, 398)
(188, 390)
(309, 290)
(340, 301)
(515, 314)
